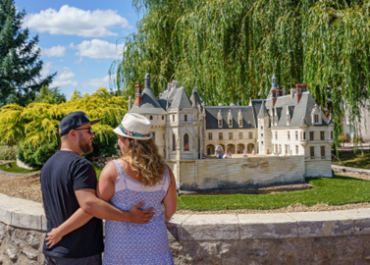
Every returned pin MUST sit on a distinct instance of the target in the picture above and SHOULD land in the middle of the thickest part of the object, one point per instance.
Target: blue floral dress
(137, 244)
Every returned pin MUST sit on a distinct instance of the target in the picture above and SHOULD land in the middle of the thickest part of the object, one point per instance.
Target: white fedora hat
(134, 126)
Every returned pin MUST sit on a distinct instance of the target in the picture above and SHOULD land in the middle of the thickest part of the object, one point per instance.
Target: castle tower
(264, 131)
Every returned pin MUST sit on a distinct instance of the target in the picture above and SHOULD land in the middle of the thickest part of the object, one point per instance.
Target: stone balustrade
(340, 237)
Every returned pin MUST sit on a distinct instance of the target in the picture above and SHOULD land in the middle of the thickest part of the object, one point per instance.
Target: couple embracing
(135, 194)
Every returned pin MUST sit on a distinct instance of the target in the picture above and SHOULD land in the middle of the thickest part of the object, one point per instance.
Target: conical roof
(263, 111)
(180, 100)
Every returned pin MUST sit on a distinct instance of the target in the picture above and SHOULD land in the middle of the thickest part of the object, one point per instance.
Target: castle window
(322, 135)
(209, 136)
(296, 149)
(173, 117)
(220, 123)
(240, 123)
(331, 135)
(250, 135)
(164, 136)
(304, 135)
(262, 142)
(220, 136)
(261, 127)
(312, 136)
(261, 134)
(162, 117)
(288, 135)
(240, 135)
(276, 135)
(173, 142)
(230, 136)
(230, 123)
(296, 135)
(185, 117)
(312, 152)
(186, 142)
(322, 149)
(286, 149)
(316, 118)
(150, 117)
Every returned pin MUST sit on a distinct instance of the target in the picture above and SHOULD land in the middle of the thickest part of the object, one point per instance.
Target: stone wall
(254, 171)
(340, 237)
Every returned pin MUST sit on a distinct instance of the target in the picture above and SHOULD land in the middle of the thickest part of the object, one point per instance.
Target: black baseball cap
(72, 121)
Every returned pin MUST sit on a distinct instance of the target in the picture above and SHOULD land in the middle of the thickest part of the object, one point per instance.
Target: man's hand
(140, 216)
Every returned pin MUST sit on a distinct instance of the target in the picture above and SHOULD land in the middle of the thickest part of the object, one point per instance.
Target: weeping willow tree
(35, 127)
(229, 49)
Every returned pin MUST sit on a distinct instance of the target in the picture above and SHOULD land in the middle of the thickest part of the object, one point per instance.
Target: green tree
(229, 49)
(50, 95)
(35, 127)
(20, 63)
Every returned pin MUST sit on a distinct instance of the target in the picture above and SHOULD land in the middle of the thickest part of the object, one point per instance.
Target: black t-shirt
(63, 174)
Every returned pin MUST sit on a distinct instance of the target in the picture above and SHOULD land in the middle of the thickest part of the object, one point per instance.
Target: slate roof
(181, 100)
(195, 100)
(263, 111)
(212, 117)
(149, 104)
(299, 111)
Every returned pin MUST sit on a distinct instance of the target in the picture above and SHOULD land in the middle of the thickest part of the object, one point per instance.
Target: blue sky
(79, 39)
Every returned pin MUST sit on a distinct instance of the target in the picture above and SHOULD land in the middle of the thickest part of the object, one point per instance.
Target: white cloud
(65, 78)
(74, 21)
(98, 49)
(99, 82)
(56, 51)
(45, 71)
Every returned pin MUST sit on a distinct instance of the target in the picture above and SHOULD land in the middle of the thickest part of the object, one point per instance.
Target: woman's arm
(170, 200)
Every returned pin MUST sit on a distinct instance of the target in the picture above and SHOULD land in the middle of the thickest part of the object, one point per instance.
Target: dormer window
(219, 117)
(240, 119)
(185, 117)
(230, 119)
(316, 117)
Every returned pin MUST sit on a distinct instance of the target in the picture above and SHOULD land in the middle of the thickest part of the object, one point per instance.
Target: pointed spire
(147, 81)
(274, 84)
(263, 111)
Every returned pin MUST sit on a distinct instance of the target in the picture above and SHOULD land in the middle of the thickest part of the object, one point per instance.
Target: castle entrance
(210, 149)
(240, 148)
(230, 148)
(250, 148)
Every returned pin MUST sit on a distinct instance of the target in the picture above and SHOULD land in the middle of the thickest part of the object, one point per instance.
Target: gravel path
(28, 187)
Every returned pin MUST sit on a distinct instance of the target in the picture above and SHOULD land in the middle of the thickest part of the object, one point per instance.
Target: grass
(333, 191)
(16, 169)
(351, 159)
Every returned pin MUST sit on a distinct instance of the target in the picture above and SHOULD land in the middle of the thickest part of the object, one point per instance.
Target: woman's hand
(53, 237)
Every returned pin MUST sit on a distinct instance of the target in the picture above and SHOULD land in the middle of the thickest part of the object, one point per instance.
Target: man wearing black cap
(68, 184)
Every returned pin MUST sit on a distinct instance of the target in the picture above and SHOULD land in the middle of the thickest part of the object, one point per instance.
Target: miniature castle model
(281, 125)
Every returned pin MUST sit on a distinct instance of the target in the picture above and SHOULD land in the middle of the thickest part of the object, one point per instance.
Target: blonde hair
(144, 159)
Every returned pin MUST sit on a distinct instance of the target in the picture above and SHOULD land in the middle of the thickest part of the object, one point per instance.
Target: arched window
(151, 117)
(186, 142)
(173, 142)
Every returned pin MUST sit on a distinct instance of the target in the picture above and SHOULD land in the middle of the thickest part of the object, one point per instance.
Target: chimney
(273, 95)
(138, 98)
(174, 84)
(299, 89)
(147, 81)
(129, 102)
(279, 93)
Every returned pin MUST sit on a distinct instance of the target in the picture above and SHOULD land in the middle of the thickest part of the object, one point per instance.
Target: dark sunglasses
(88, 128)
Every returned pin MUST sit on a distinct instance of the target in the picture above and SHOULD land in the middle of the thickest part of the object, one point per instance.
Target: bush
(36, 156)
(8, 153)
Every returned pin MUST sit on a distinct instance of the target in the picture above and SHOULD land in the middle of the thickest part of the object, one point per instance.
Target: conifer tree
(20, 63)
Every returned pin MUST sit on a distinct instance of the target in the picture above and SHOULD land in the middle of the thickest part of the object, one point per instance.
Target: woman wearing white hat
(139, 176)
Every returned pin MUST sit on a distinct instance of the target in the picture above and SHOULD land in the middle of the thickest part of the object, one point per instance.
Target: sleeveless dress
(137, 244)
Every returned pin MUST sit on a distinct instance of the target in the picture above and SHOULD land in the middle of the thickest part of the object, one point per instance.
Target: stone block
(26, 220)
(255, 226)
(210, 227)
(5, 215)
(322, 224)
(30, 253)
(174, 227)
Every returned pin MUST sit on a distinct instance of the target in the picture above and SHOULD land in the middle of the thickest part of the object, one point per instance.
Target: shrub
(36, 156)
(8, 153)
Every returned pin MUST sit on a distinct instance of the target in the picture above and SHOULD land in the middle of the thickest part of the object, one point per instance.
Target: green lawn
(333, 191)
(351, 159)
(16, 169)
